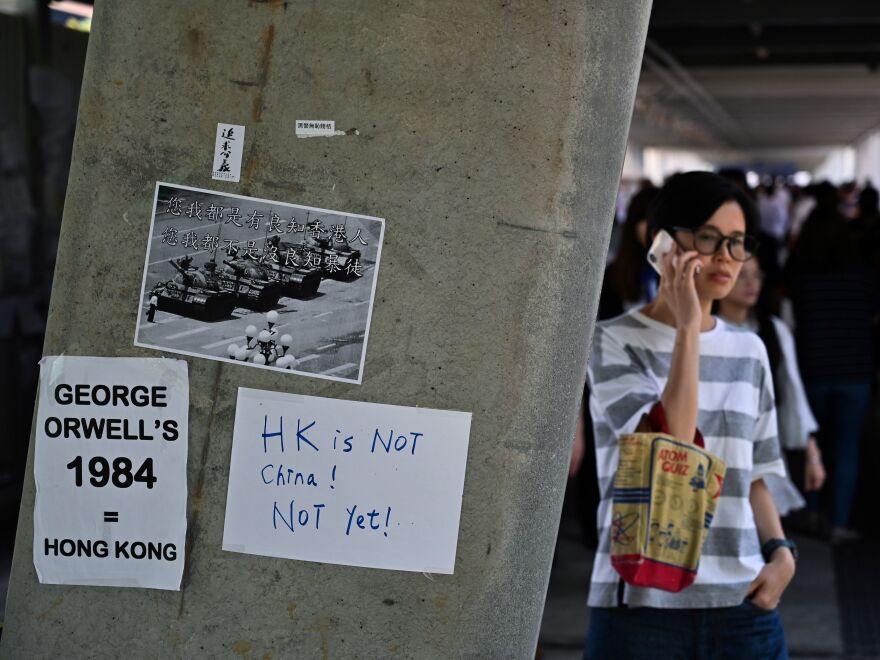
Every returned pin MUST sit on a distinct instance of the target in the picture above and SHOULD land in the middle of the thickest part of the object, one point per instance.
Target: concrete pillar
(491, 136)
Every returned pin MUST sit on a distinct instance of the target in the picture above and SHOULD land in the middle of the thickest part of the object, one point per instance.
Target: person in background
(672, 358)
(826, 237)
(868, 223)
(802, 204)
(849, 199)
(774, 202)
(868, 226)
(869, 204)
(745, 307)
(834, 291)
(629, 279)
(769, 248)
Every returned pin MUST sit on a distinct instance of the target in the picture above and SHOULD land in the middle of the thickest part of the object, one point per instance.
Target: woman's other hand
(814, 468)
(766, 590)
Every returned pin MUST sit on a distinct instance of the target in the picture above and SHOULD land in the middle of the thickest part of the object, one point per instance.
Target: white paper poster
(228, 147)
(345, 482)
(110, 471)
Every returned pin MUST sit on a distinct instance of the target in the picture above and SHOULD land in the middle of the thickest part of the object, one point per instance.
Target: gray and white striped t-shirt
(628, 370)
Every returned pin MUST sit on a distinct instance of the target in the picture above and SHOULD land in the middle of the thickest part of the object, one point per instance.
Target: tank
(192, 294)
(340, 268)
(251, 283)
(298, 279)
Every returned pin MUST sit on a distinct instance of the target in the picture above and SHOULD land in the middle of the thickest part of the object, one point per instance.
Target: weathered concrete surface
(491, 138)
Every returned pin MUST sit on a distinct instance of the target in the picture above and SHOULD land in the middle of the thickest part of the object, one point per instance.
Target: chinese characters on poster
(259, 282)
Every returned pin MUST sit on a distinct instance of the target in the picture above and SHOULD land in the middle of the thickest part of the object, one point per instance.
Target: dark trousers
(745, 632)
(840, 408)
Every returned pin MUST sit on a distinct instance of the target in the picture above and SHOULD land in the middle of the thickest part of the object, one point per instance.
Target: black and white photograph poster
(259, 282)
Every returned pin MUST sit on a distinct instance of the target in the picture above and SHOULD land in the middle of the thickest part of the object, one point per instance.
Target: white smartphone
(662, 244)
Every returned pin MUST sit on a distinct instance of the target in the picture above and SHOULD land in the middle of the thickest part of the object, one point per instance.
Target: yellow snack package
(664, 499)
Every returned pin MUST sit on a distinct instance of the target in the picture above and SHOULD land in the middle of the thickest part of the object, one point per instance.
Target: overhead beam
(754, 57)
(804, 12)
(846, 37)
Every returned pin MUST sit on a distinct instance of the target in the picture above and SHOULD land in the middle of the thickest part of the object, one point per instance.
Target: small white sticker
(315, 128)
(227, 152)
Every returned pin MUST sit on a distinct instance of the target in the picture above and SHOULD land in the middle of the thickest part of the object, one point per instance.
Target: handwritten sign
(110, 471)
(228, 147)
(345, 482)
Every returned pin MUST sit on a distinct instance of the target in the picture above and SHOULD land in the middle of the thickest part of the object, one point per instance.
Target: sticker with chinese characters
(259, 282)
(315, 128)
(227, 152)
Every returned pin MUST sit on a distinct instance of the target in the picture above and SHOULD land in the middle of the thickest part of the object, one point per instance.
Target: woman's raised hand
(678, 271)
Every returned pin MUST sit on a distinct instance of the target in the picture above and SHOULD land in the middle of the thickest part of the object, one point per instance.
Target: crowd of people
(760, 331)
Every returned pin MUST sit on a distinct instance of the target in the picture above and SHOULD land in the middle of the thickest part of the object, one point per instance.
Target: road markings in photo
(348, 366)
(236, 339)
(187, 333)
(166, 319)
(224, 342)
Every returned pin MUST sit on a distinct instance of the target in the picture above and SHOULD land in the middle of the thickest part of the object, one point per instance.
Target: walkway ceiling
(759, 76)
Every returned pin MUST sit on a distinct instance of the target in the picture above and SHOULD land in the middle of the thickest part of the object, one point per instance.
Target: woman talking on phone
(673, 359)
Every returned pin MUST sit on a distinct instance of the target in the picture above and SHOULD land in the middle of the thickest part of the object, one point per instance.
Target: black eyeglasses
(708, 240)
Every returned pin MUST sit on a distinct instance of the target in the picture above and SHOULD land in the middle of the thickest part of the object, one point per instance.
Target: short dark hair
(869, 200)
(690, 199)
